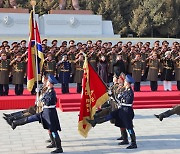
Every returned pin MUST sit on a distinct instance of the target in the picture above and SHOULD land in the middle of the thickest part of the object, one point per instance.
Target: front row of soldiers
(44, 111)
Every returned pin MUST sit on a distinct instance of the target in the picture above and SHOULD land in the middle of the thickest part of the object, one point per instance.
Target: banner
(94, 94)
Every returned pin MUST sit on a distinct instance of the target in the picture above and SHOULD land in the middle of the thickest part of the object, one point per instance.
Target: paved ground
(153, 136)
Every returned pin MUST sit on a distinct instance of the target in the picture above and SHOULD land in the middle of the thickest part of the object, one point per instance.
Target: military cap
(44, 40)
(64, 43)
(54, 41)
(129, 79)
(5, 42)
(23, 41)
(89, 41)
(79, 43)
(52, 79)
(49, 53)
(14, 43)
(71, 41)
(19, 54)
(3, 54)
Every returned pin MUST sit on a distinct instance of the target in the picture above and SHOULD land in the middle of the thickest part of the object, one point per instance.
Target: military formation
(144, 61)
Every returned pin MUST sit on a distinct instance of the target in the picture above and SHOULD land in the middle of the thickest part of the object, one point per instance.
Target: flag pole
(33, 3)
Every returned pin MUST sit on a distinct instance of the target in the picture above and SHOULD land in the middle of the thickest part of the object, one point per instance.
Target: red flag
(94, 94)
(31, 66)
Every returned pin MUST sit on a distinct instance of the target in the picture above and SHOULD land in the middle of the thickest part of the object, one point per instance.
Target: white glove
(110, 92)
(0, 58)
(37, 90)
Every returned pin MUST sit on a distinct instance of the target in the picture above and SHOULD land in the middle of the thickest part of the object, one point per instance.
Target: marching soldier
(167, 73)
(18, 73)
(79, 72)
(48, 117)
(124, 113)
(137, 71)
(154, 70)
(4, 74)
(49, 65)
(64, 68)
(177, 70)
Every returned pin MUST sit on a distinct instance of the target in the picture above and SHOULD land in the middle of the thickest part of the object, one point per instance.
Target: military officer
(177, 70)
(167, 73)
(92, 58)
(154, 71)
(124, 113)
(4, 74)
(137, 71)
(64, 67)
(18, 73)
(79, 72)
(48, 117)
(49, 65)
(12, 3)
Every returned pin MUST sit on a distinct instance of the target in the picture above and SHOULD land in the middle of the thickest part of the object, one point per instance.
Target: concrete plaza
(153, 136)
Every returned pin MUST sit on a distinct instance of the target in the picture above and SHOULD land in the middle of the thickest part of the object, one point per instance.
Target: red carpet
(71, 102)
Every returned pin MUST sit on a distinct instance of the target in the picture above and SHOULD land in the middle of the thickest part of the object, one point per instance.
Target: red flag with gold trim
(94, 94)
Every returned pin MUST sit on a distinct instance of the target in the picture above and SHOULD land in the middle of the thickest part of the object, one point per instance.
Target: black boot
(19, 122)
(133, 142)
(120, 138)
(15, 114)
(96, 121)
(48, 141)
(163, 115)
(58, 145)
(52, 144)
(125, 138)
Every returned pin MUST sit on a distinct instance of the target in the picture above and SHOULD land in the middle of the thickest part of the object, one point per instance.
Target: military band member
(4, 74)
(137, 71)
(48, 117)
(49, 65)
(18, 73)
(167, 73)
(125, 112)
(154, 71)
(64, 68)
(177, 70)
(79, 72)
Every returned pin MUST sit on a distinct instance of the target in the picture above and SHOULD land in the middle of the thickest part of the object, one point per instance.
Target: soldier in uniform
(18, 73)
(79, 72)
(48, 117)
(168, 68)
(137, 71)
(92, 58)
(124, 113)
(154, 70)
(64, 68)
(103, 69)
(12, 3)
(49, 65)
(168, 113)
(177, 70)
(4, 74)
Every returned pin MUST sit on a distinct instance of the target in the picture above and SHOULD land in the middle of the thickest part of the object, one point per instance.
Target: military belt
(63, 70)
(92, 60)
(153, 68)
(123, 104)
(168, 68)
(49, 107)
(135, 69)
(49, 70)
(18, 70)
(79, 69)
(3, 69)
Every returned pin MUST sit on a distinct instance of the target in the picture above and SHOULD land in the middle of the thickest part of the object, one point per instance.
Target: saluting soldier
(49, 65)
(4, 74)
(92, 57)
(131, 56)
(137, 71)
(154, 70)
(177, 70)
(167, 73)
(79, 72)
(124, 53)
(18, 73)
(64, 68)
(60, 53)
